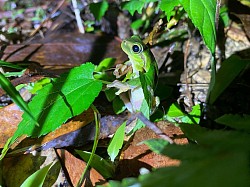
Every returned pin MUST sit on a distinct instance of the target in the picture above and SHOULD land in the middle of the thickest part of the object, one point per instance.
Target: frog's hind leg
(125, 98)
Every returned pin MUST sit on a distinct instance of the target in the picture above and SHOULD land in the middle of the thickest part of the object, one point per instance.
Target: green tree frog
(137, 88)
(140, 70)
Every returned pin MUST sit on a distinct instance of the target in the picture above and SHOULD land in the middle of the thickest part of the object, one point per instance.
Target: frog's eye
(137, 48)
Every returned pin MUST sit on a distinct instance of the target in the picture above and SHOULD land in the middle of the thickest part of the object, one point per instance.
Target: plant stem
(97, 131)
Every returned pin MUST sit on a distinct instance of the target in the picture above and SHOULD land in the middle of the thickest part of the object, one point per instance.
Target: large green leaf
(60, 100)
(228, 71)
(202, 13)
(236, 121)
(218, 158)
(227, 170)
(37, 178)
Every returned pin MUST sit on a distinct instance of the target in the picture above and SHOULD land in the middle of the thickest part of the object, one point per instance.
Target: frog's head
(133, 46)
(138, 53)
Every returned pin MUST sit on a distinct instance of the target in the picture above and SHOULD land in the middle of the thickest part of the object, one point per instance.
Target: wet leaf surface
(64, 51)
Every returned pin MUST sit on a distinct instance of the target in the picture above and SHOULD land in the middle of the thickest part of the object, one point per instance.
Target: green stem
(212, 80)
(97, 130)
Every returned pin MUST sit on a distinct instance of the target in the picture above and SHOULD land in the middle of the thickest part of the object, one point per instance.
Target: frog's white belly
(136, 99)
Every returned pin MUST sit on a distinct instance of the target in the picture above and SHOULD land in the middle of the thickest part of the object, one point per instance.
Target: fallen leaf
(58, 52)
(10, 116)
(74, 167)
(137, 156)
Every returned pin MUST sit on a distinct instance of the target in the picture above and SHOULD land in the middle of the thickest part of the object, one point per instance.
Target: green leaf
(38, 85)
(113, 184)
(91, 155)
(218, 158)
(147, 83)
(227, 139)
(37, 178)
(105, 64)
(60, 100)
(224, 15)
(156, 145)
(5, 149)
(105, 168)
(227, 170)
(167, 6)
(116, 142)
(133, 5)
(110, 94)
(14, 74)
(235, 121)
(202, 13)
(215, 158)
(99, 9)
(228, 71)
(10, 65)
(175, 110)
(137, 24)
(193, 117)
(100, 71)
(16, 97)
(118, 105)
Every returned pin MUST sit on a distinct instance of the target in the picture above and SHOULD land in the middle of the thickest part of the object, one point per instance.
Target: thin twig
(166, 56)
(78, 17)
(47, 19)
(218, 3)
(189, 96)
(153, 127)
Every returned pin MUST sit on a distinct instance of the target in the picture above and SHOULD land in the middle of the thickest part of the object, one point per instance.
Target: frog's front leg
(123, 92)
(122, 69)
(121, 86)
(131, 95)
